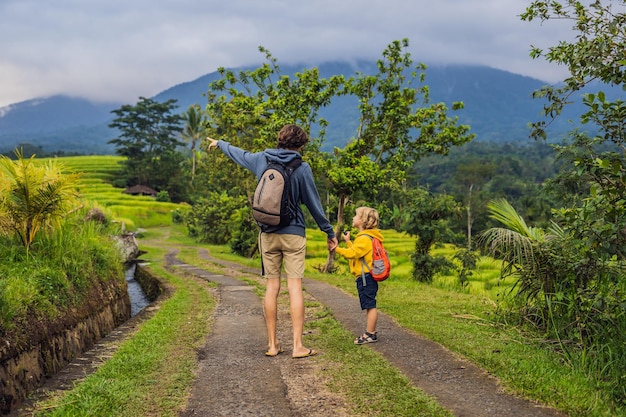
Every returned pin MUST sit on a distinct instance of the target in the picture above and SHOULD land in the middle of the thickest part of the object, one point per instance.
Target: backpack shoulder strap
(363, 263)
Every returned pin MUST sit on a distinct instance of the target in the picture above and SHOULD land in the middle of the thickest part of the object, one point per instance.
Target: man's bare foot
(304, 354)
(274, 351)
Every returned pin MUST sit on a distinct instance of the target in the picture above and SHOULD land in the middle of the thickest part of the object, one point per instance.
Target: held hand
(332, 244)
(212, 143)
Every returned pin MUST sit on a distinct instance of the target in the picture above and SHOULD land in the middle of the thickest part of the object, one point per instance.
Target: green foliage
(193, 131)
(469, 262)
(244, 233)
(178, 215)
(596, 53)
(426, 216)
(33, 197)
(397, 126)
(148, 140)
(391, 135)
(209, 220)
(58, 271)
(587, 301)
(479, 172)
(575, 299)
(163, 196)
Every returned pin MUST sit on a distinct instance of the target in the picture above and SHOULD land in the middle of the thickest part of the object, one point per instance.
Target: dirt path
(261, 388)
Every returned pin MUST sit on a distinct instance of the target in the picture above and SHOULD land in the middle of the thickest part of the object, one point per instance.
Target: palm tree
(193, 131)
(524, 250)
(33, 196)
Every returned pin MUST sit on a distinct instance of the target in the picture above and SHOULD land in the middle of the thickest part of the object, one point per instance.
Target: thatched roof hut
(140, 190)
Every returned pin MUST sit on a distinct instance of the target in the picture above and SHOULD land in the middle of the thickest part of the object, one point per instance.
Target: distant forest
(483, 171)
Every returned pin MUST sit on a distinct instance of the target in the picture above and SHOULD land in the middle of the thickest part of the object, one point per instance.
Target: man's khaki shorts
(281, 250)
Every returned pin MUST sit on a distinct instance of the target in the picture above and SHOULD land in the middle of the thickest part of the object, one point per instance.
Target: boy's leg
(372, 319)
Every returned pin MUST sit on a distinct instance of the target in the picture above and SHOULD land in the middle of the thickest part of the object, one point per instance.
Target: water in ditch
(138, 298)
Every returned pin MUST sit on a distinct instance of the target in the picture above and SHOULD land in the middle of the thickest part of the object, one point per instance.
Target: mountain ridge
(498, 108)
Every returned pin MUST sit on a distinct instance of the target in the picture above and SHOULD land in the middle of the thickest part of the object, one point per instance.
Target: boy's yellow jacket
(361, 247)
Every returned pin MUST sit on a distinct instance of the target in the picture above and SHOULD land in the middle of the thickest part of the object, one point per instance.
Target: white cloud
(122, 49)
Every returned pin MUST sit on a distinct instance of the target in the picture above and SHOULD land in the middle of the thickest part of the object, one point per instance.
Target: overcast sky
(119, 50)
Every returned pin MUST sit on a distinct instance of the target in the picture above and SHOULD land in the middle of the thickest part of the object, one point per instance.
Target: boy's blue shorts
(367, 294)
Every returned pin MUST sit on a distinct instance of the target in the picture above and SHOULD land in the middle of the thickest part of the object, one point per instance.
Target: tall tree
(149, 133)
(249, 107)
(473, 176)
(193, 131)
(397, 127)
(598, 163)
(427, 216)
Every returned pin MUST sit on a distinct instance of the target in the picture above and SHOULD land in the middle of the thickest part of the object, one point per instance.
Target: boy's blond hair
(369, 217)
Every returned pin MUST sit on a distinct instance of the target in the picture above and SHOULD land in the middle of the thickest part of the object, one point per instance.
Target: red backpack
(381, 267)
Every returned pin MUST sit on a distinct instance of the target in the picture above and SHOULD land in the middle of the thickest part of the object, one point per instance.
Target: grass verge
(151, 373)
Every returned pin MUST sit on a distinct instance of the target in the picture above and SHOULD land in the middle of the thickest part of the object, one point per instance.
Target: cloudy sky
(118, 50)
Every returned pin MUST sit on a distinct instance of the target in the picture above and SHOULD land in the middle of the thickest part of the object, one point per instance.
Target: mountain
(498, 107)
(57, 123)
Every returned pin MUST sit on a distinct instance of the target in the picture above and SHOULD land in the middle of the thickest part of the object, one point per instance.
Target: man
(285, 246)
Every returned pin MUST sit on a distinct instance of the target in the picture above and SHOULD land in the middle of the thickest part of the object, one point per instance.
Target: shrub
(209, 219)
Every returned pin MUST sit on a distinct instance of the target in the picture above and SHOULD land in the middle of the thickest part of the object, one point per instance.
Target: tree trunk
(330, 259)
(469, 218)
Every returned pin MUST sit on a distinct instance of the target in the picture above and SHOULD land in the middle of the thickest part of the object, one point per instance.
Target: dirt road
(243, 382)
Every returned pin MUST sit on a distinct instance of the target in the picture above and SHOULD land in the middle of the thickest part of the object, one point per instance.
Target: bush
(209, 219)
(245, 233)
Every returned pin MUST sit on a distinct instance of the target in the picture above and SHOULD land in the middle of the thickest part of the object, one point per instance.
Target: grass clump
(57, 271)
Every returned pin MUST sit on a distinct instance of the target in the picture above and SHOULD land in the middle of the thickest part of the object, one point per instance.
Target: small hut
(140, 190)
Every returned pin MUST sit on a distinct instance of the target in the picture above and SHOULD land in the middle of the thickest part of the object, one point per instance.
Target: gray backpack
(272, 206)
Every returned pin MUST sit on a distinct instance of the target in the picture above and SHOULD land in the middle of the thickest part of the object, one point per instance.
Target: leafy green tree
(397, 127)
(473, 176)
(34, 197)
(248, 108)
(149, 133)
(579, 276)
(596, 53)
(427, 217)
(596, 166)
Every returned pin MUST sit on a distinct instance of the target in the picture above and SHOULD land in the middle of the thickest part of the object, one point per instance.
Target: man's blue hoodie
(302, 184)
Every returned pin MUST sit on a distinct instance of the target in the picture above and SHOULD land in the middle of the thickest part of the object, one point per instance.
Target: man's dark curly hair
(292, 137)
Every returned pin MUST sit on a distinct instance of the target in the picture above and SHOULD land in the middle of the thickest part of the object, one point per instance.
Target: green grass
(56, 273)
(151, 373)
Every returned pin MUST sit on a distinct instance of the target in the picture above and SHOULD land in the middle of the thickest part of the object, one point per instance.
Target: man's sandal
(366, 337)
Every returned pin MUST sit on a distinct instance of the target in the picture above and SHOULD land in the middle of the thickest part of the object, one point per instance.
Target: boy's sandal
(366, 337)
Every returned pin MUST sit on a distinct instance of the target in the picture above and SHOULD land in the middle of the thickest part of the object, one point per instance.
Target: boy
(366, 221)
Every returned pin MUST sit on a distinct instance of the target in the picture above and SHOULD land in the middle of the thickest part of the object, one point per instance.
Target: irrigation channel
(138, 298)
